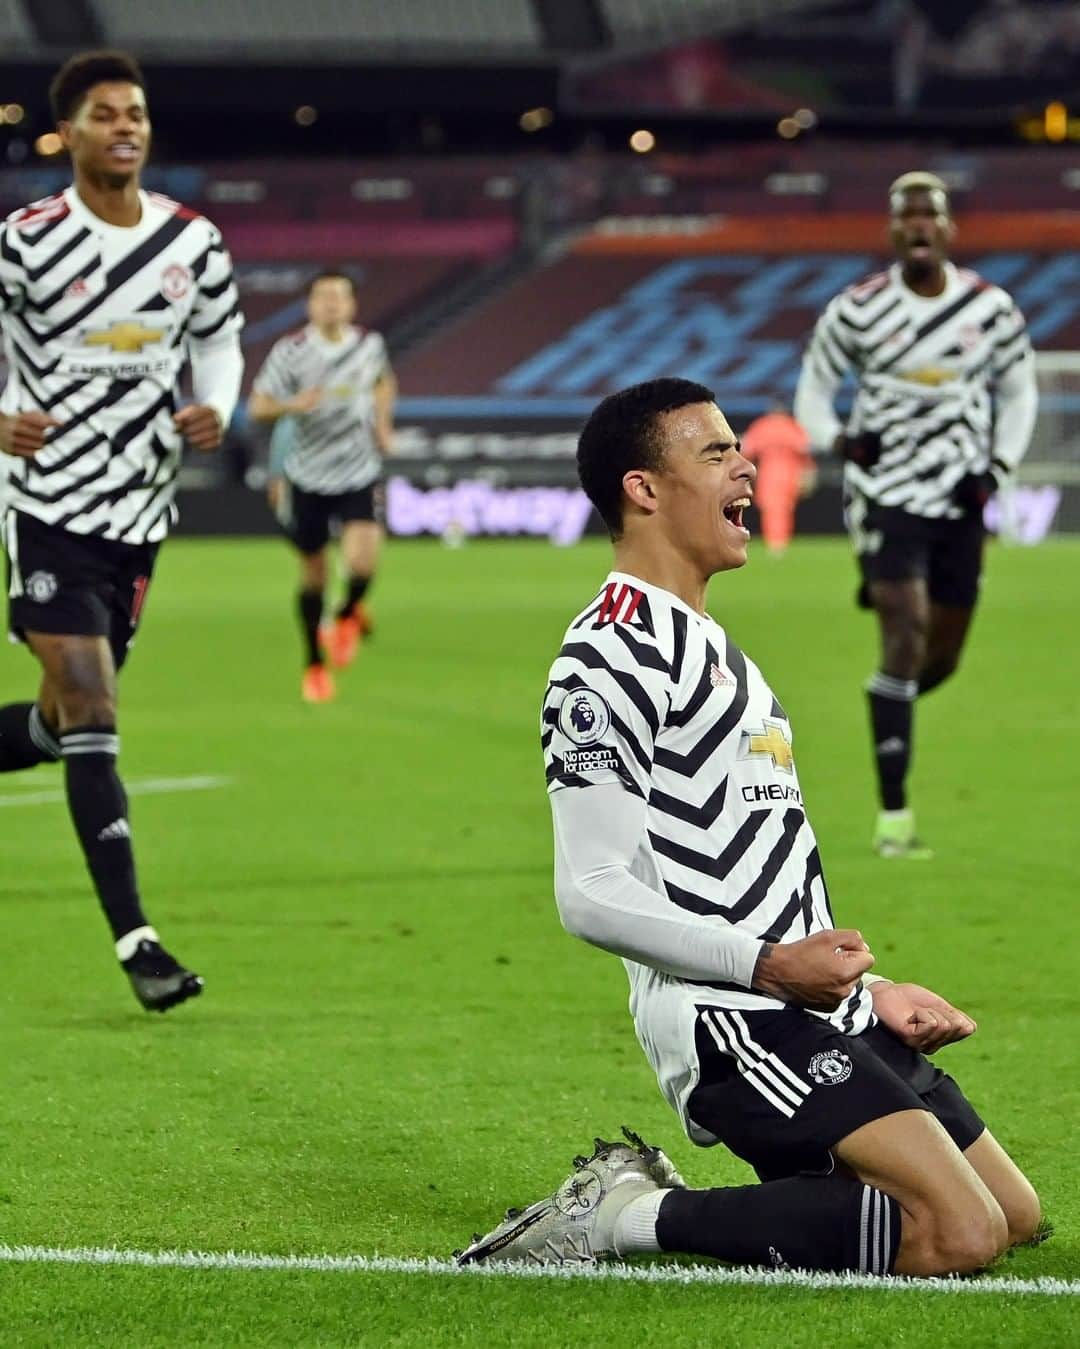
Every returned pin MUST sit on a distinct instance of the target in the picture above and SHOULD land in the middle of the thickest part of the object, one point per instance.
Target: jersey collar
(82, 212)
(952, 281)
(657, 593)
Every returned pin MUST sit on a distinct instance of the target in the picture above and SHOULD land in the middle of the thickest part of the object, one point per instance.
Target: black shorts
(75, 584)
(308, 517)
(780, 1089)
(893, 545)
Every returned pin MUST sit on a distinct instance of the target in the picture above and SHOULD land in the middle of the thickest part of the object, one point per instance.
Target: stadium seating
(13, 25)
(632, 19)
(408, 23)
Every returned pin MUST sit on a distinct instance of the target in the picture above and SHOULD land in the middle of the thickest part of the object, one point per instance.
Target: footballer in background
(333, 381)
(106, 292)
(944, 410)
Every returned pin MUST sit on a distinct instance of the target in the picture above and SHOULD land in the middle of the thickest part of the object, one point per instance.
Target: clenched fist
(24, 433)
(200, 426)
(819, 971)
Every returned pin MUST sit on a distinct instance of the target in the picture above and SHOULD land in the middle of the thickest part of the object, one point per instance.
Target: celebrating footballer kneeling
(682, 846)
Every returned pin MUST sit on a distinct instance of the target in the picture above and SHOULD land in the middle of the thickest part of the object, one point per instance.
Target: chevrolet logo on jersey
(933, 376)
(771, 741)
(124, 335)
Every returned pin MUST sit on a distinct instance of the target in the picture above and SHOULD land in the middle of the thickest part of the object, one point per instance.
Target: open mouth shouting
(733, 514)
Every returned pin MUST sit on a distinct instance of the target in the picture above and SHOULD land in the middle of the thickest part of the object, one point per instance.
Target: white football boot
(576, 1225)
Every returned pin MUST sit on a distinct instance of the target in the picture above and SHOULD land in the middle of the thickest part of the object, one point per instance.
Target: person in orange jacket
(781, 449)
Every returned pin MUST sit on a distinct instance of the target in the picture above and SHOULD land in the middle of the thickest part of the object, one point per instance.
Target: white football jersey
(927, 372)
(333, 447)
(97, 321)
(651, 695)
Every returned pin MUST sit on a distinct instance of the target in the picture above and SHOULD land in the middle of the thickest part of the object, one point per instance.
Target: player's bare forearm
(22, 434)
(263, 408)
(200, 426)
(385, 399)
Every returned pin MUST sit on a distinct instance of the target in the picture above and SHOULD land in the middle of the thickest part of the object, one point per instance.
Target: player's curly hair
(621, 434)
(77, 77)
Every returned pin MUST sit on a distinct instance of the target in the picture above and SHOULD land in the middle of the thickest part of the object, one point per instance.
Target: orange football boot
(318, 685)
(341, 640)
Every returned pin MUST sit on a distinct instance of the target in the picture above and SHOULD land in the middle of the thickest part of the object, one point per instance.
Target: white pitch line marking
(139, 787)
(689, 1275)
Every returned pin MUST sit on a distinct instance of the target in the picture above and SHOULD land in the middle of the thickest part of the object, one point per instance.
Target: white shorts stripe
(11, 543)
(758, 1063)
(746, 1066)
(778, 1063)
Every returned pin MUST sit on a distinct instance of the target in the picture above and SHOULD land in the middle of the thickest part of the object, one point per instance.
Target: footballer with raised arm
(682, 845)
(106, 290)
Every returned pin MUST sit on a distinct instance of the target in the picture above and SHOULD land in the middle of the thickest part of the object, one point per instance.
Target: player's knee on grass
(1022, 1210)
(960, 1237)
(1024, 1220)
(951, 1221)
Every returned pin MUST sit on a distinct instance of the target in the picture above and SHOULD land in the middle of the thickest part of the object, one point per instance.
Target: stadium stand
(631, 20)
(14, 29)
(494, 25)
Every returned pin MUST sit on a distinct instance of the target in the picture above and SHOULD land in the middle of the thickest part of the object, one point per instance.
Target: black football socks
(310, 604)
(355, 591)
(803, 1222)
(891, 714)
(99, 810)
(26, 739)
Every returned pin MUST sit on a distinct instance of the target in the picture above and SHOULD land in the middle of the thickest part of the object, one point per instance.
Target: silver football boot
(576, 1225)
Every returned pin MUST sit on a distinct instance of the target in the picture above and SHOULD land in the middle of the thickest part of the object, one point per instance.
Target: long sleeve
(217, 367)
(598, 833)
(1016, 393)
(12, 273)
(825, 363)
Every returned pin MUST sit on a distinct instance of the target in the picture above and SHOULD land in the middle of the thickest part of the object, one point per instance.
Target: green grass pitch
(397, 1040)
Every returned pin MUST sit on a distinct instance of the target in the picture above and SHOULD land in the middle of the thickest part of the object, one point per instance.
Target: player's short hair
(920, 181)
(622, 434)
(75, 78)
(333, 274)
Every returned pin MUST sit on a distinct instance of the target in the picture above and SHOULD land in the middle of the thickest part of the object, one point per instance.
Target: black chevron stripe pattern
(96, 321)
(334, 448)
(682, 718)
(926, 372)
